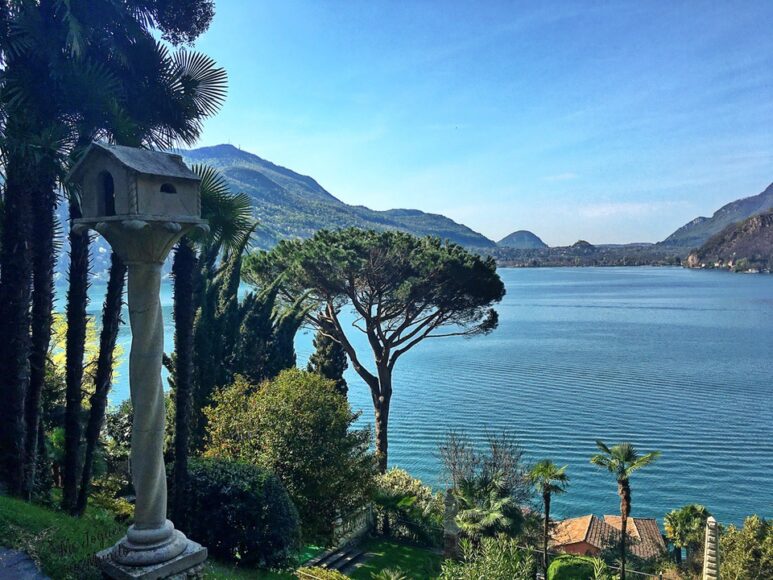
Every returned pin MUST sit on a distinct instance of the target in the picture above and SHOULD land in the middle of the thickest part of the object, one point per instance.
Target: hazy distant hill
(522, 240)
(292, 205)
(742, 246)
(698, 231)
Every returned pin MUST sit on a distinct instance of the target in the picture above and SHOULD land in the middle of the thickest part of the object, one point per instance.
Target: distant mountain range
(522, 240)
(291, 205)
(743, 246)
(697, 232)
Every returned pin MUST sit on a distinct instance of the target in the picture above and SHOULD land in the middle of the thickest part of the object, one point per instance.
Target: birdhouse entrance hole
(168, 188)
(107, 194)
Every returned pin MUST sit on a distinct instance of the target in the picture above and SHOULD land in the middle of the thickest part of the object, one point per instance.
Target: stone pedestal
(187, 565)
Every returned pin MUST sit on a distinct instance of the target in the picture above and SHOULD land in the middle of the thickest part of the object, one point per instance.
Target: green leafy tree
(747, 552)
(329, 360)
(549, 480)
(403, 290)
(686, 527)
(298, 427)
(621, 461)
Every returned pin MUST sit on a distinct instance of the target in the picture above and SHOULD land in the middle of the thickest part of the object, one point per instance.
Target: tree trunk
(624, 490)
(382, 432)
(111, 321)
(15, 295)
(183, 269)
(77, 302)
(43, 263)
(546, 536)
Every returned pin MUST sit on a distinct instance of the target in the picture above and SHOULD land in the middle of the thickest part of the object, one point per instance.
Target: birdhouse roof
(142, 161)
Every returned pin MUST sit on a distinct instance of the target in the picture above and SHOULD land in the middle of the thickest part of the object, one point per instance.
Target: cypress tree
(329, 360)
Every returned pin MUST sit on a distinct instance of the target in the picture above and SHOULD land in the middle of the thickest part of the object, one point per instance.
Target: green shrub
(498, 558)
(569, 567)
(301, 429)
(747, 552)
(318, 573)
(239, 511)
(414, 511)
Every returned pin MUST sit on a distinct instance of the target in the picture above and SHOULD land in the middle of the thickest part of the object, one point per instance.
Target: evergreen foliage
(329, 360)
(686, 528)
(240, 512)
(298, 427)
(403, 290)
(570, 567)
(253, 337)
(498, 558)
(747, 552)
(411, 509)
(548, 480)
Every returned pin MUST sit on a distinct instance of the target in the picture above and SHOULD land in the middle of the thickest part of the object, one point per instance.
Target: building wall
(579, 549)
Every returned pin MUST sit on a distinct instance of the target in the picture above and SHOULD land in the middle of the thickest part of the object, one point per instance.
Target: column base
(187, 564)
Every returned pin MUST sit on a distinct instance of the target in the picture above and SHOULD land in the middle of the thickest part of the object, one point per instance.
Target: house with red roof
(590, 535)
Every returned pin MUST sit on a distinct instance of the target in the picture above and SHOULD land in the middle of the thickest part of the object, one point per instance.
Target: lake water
(670, 359)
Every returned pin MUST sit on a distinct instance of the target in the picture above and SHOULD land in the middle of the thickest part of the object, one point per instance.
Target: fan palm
(685, 528)
(93, 69)
(485, 508)
(621, 461)
(549, 480)
(75, 71)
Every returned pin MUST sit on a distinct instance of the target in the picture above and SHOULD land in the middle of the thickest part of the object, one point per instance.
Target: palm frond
(230, 216)
(200, 78)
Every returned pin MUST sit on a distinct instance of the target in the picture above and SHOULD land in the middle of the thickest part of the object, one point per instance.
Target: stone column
(152, 538)
(152, 548)
(711, 550)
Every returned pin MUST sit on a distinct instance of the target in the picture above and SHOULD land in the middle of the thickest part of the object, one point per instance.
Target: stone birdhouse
(126, 183)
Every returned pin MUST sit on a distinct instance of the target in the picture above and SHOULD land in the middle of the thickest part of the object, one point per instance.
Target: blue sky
(608, 121)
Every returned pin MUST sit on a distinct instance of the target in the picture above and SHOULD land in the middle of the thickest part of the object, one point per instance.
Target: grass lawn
(64, 546)
(416, 563)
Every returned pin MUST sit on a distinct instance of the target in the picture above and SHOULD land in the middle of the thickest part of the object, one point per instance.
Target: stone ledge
(188, 565)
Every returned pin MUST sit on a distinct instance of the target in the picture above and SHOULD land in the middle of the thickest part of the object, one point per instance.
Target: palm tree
(622, 460)
(485, 508)
(549, 480)
(71, 74)
(231, 224)
(685, 527)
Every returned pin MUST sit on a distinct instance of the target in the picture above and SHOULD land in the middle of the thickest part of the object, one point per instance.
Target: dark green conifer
(329, 360)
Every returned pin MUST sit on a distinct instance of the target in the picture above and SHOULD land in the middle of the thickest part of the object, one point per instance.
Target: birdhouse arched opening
(106, 198)
(168, 188)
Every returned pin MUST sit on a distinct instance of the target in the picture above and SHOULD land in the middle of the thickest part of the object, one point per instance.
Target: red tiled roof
(645, 540)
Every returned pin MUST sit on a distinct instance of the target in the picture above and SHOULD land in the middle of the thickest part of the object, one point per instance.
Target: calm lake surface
(670, 359)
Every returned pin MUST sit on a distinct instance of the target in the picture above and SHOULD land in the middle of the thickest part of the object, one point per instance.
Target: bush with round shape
(240, 511)
(569, 567)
